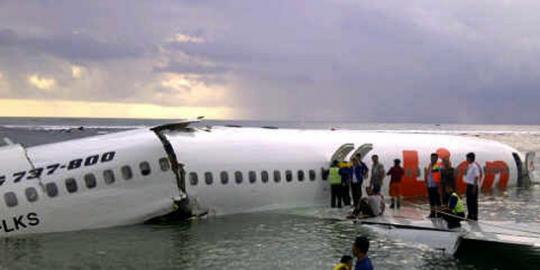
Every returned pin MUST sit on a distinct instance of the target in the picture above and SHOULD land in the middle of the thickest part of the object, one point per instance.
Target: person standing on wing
(377, 175)
(360, 172)
(432, 175)
(472, 179)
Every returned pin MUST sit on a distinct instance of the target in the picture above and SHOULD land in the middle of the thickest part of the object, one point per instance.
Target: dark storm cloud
(69, 46)
(420, 61)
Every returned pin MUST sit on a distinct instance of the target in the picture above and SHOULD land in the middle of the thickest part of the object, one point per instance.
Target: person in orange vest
(433, 179)
(345, 263)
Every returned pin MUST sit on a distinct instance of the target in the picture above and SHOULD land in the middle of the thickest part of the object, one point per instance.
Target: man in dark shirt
(360, 172)
(360, 249)
(396, 173)
(447, 179)
(346, 173)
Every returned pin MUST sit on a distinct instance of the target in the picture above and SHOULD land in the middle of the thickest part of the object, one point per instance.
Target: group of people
(440, 179)
(440, 182)
(348, 177)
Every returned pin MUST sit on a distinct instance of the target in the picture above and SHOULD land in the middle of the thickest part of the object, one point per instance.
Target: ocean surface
(285, 239)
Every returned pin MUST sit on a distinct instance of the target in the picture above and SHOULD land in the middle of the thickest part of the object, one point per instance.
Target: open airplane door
(362, 151)
(342, 152)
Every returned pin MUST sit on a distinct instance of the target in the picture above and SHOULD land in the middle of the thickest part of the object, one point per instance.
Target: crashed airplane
(177, 170)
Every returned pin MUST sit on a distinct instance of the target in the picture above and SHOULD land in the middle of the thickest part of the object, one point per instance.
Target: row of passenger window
(252, 176)
(90, 182)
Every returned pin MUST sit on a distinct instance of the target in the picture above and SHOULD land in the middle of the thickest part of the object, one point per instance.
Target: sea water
(268, 240)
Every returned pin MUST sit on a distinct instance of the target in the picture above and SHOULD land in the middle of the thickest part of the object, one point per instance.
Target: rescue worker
(448, 178)
(360, 249)
(432, 179)
(346, 173)
(472, 179)
(455, 210)
(335, 184)
(377, 174)
(360, 171)
(396, 173)
(345, 263)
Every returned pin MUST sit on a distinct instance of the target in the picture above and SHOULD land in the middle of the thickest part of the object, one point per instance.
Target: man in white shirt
(472, 179)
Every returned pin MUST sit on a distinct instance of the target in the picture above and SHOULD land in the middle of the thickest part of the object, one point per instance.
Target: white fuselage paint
(245, 150)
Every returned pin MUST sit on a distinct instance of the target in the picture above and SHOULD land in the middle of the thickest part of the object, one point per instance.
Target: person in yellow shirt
(344, 264)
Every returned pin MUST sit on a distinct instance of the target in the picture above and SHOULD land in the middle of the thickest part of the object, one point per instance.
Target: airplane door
(362, 150)
(342, 152)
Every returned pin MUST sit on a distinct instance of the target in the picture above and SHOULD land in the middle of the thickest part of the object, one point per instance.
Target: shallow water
(269, 240)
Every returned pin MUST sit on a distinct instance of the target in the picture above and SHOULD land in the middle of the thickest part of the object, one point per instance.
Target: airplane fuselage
(129, 177)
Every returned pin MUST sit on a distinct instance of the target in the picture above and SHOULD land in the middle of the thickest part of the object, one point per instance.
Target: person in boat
(396, 173)
(345, 263)
(360, 249)
(432, 180)
(370, 206)
(454, 211)
(335, 185)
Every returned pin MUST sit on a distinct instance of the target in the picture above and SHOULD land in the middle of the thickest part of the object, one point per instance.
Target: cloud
(183, 38)
(42, 83)
(77, 72)
(70, 46)
(366, 61)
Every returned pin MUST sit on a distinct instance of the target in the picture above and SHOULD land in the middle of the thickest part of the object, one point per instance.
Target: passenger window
(224, 177)
(277, 176)
(11, 199)
(208, 178)
(264, 176)
(193, 178)
(252, 177)
(324, 174)
(312, 175)
(108, 176)
(127, 174)
(90, 180)
(288, 176)
(145, 168)
(238, 177)
(164, 164)
(71, 185)
(301, 176)
(52, 190)
(31, 194)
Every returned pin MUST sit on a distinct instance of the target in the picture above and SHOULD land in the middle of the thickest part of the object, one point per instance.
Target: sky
(365, 61)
